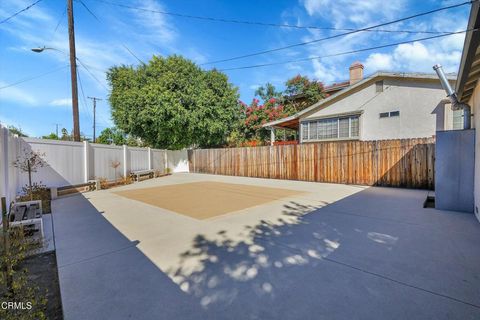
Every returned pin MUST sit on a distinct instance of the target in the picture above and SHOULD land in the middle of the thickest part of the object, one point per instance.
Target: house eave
(335, 115)
(469, 68)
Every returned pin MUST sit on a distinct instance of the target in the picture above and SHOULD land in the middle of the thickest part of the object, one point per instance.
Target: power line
(64, 13)
(88, 9)
(84, 100)
(91, 74)
(32, 77)
(133, 54)
(18, 12)
(246, 22)
(96, 18)
(343, 34)
(346, 52)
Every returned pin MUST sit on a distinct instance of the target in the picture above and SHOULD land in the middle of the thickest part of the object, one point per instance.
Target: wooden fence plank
(397, 163)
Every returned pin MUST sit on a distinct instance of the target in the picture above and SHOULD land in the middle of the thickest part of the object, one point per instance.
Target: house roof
(469, 70)
(336, 86)
(353, 88)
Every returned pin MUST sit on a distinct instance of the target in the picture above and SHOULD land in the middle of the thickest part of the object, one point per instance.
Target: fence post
(166, 160)
(86, 161)
(6, 182)
(149, 150)
(125, 160)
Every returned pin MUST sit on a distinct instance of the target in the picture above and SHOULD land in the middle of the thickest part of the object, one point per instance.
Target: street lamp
(41, 49)
(73, 70)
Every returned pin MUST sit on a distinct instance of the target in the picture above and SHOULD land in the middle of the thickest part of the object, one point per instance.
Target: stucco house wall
(418, 103)
(421, 104)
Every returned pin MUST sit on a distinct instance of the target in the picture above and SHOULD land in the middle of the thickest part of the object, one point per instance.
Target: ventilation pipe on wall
(456, 105)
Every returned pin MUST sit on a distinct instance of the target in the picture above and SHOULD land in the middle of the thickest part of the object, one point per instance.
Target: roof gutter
(456, 105)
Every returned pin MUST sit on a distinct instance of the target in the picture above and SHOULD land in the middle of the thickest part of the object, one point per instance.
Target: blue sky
(37, 105)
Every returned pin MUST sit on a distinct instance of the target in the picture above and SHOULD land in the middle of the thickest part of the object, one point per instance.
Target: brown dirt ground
(203, 200)
(43, 273)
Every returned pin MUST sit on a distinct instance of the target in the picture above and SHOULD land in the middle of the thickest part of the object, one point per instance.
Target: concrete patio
(332, 252)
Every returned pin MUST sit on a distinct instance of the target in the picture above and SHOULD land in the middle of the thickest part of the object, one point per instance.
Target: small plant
(37, 191)
(115, 164)
(30, 161)
(103, 183)
(168, 170)
(126, 180)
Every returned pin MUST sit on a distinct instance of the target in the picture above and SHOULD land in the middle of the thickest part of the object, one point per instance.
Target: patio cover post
(272, 136)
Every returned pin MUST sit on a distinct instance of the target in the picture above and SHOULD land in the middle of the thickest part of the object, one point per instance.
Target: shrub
(126, 180)
(103, 183)
(15, 285)
(37, 191)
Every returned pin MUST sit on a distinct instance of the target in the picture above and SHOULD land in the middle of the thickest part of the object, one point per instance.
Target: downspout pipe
(452, 95)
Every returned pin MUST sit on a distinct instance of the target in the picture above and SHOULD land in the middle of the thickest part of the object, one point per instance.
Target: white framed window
(389, 114)
(331, 128)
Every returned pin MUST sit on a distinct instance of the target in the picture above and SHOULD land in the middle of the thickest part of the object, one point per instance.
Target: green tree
(118, 137)
(172, 103)
(51, 136)
(301, 92)
(65, 135)
(17, 131)
(267, 92)
(111, 136)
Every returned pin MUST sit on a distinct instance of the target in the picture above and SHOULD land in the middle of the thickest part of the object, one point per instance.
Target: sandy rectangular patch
(203, 200)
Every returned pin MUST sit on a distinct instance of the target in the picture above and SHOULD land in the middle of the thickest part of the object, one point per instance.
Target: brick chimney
(356, 72)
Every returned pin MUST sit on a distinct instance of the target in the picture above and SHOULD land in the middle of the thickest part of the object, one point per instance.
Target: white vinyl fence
(72, 163)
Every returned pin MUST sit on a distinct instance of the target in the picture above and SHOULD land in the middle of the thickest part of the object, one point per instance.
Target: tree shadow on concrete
(250, 278)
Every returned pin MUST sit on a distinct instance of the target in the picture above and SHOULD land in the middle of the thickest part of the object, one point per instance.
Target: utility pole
(56, 128)
(94, 111)
(73, 71)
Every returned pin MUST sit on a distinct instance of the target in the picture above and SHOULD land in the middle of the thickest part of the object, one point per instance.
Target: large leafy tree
(111, 136)
(301, 92)
(172, 103)
(267, 92)
(118, 137)
(256, 115)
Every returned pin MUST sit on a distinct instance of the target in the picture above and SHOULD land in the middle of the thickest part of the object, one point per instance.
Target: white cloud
(157, 27)
(326, 72)
(65, 102)
(379, 61)
(341, 13)
(17, 95)
(413, 57)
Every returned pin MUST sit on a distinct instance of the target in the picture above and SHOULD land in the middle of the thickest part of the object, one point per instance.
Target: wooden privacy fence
(395, 163)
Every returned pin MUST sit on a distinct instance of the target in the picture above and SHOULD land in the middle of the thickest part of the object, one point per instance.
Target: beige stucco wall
(421, 105)
(475, 104)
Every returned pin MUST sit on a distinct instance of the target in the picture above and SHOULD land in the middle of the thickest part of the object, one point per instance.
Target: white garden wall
(77, 162)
